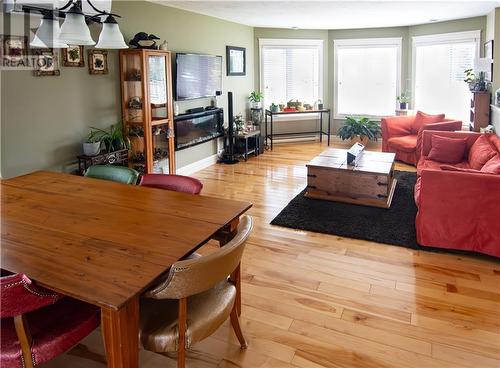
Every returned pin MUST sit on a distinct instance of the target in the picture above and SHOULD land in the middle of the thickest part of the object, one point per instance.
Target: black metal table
(270, 114)
(246, 149)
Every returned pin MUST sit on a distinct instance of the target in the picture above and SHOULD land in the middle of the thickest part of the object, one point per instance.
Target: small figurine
(144, 41)
(164, 46)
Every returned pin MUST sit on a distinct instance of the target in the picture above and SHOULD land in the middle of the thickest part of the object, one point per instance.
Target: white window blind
(439, 62)
(291, 70)
(367, 76)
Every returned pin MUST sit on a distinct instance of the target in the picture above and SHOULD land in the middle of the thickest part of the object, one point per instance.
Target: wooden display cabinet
(147, 109)
(479, 110)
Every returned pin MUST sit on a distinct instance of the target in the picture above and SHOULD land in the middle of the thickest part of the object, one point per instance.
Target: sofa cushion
(480, 152)
(495, 141)
(425, 163)
(492, 166)
(422, 119)
(407, 143)
(447, 150)
(416, 192)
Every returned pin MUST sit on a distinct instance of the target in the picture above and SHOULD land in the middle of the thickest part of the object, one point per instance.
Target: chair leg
(181, 351)
(236, 279)
(235, 322)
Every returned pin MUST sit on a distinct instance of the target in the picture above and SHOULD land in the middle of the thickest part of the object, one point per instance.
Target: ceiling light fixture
(74, 30)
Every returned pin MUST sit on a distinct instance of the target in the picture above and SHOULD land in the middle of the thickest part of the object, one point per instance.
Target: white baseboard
(198, 165)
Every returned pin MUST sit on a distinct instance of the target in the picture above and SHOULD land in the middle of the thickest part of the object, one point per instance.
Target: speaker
(228, 155)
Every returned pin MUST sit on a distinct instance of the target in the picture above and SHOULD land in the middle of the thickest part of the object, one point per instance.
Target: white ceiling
(335, 14)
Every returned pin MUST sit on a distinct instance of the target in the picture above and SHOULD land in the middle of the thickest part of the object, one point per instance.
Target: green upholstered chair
(120, 174)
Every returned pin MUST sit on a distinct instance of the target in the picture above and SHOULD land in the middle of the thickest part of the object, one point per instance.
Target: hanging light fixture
(111, 37)
(74, 30)
(47, 35)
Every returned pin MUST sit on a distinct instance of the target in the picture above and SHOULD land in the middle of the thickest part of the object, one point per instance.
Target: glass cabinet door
(157, 85)
(132, 88)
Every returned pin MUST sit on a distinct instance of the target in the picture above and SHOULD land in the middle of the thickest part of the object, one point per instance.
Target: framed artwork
(73, 56)
(46, 63)
(488, 49)
(235, 60)
(98, 61)
(14, 49)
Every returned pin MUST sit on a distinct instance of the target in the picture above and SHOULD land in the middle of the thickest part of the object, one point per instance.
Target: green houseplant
(92, 144)
(255, 99)
(113, 137)
(359, 130)
(404, 100)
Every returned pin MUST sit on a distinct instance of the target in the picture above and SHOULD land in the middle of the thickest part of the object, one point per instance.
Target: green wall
(406, 33)
(44, 119)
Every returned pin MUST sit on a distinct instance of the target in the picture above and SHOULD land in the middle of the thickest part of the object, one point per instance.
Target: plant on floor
(359, 129)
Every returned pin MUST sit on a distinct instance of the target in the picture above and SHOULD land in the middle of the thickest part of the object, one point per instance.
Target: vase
(91, 149)
(403, 105)
(363, 140)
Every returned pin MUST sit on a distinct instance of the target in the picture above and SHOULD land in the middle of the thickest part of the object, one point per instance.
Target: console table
(271, 114)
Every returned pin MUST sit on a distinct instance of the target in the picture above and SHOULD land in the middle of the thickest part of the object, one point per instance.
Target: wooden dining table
(104, 243)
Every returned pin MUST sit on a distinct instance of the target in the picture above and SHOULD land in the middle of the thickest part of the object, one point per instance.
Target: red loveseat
(458, 206)
(402, 134)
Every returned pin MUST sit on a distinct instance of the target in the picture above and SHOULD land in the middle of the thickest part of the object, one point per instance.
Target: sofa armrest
(426, 142)
(447, 125)
(456, 205)
(396, 126)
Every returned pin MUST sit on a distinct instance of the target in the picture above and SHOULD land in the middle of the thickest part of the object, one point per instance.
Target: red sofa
(402, 134)
(459, 209)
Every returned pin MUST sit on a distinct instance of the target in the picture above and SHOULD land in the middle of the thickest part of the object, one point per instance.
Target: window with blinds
(439, 62)
(291, 70)
(367, 76)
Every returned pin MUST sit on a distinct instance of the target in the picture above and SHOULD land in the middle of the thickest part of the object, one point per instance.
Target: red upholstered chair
(37, 325)
(177, 183)
(402, 135)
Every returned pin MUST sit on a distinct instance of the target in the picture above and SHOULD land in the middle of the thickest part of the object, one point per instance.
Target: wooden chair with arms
(194, 299)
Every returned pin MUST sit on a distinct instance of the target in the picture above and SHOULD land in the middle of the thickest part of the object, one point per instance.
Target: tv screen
(198, 76)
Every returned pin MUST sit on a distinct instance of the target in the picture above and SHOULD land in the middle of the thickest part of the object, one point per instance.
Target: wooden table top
(370, 161)
(100, 241)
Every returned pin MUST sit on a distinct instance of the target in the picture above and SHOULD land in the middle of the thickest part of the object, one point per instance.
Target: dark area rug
(395, 225)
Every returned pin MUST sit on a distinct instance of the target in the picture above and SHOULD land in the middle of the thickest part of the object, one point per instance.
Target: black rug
(395, 225)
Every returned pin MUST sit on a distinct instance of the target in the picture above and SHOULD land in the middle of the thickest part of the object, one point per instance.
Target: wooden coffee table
(371, 182)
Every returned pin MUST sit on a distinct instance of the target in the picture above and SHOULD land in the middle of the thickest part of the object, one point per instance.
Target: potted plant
(92, 144)
(255, 99)
(113, 137)
(360, 130)
(274, 107)
(470, 79)
(239, 124)
(404, 100)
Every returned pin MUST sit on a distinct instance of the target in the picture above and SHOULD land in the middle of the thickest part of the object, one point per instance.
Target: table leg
(120, 332)
(329, 125)
(320, 127)
(265, 130)
(272, 138)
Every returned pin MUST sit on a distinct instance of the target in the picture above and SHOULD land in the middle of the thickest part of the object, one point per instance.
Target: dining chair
(177, 183)
(194, 299)
(119, 174)
(37, 325)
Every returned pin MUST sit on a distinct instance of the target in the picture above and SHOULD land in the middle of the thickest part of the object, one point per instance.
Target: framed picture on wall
(47, 63)
(13, 49)
(235, 60)
(98, 61)
(73, 56)
(488, 49)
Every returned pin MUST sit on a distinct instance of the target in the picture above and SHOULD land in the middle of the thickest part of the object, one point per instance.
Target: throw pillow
(422, 119)
(447, 150)
(480, 152)
(492, 166)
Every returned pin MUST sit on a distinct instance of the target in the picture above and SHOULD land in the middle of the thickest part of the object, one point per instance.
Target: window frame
(438, 39)
(291, 43)
(371, 42)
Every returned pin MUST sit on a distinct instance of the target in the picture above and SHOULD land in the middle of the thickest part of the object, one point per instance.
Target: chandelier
(74, 29)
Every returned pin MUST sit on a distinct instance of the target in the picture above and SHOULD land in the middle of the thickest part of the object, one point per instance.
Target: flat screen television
(197, 76)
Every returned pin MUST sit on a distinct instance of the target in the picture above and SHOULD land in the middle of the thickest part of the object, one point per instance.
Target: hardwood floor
(314, 300)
